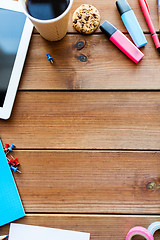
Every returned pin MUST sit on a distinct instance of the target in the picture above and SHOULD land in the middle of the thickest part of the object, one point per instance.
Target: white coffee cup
(54, 29)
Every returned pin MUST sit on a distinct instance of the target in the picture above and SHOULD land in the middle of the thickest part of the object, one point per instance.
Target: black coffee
(46, 9)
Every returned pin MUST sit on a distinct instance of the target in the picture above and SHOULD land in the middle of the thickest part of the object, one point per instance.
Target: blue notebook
(10, 203)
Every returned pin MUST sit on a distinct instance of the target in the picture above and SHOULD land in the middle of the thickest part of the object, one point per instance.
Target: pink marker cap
(122, 42)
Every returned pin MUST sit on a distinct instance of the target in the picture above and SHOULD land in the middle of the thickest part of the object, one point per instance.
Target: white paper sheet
(28, 232)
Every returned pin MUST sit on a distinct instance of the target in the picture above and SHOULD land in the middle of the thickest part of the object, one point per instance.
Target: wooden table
(88, 133)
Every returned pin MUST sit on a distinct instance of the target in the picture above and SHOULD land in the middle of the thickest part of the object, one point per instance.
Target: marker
(131, 23)
(121, 41)
(146, 13)
(3, 237)
(159, 15)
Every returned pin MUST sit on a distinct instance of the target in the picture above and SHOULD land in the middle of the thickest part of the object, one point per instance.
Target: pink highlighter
(121, 41)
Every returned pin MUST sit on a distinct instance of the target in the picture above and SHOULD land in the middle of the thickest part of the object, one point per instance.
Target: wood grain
(89, 181)
(84, 120)
(108, 11)
(101, 227)
(106, 67)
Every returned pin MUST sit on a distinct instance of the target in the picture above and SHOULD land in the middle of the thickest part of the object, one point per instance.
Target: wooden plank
(108, 11)
(106, 67)
(89, 181)
(84, 120)
(101, 227)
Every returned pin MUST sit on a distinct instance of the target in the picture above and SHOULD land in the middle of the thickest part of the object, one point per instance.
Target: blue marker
(131, 23)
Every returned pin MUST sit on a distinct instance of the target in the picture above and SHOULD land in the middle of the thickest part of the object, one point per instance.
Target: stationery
(155, 226)
(146, 13)
(10, 204)
(121, 41)
(28, 232)
(159, 15)
(140, 231)
(131, 23)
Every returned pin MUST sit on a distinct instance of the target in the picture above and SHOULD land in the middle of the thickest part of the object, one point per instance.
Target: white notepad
(28, 232)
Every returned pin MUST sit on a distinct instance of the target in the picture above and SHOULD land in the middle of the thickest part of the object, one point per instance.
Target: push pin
(16, 161)
(11, 147)
(15, 169)
(6, 147)
(10, 161)
(50, 59)
(13, 162)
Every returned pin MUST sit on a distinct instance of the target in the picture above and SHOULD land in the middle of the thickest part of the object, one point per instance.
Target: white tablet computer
(15, 34)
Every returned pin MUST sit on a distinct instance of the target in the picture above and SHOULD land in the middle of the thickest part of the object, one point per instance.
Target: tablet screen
(11, 28)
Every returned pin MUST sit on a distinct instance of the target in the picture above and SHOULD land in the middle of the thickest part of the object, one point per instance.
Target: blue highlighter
(131, 23)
